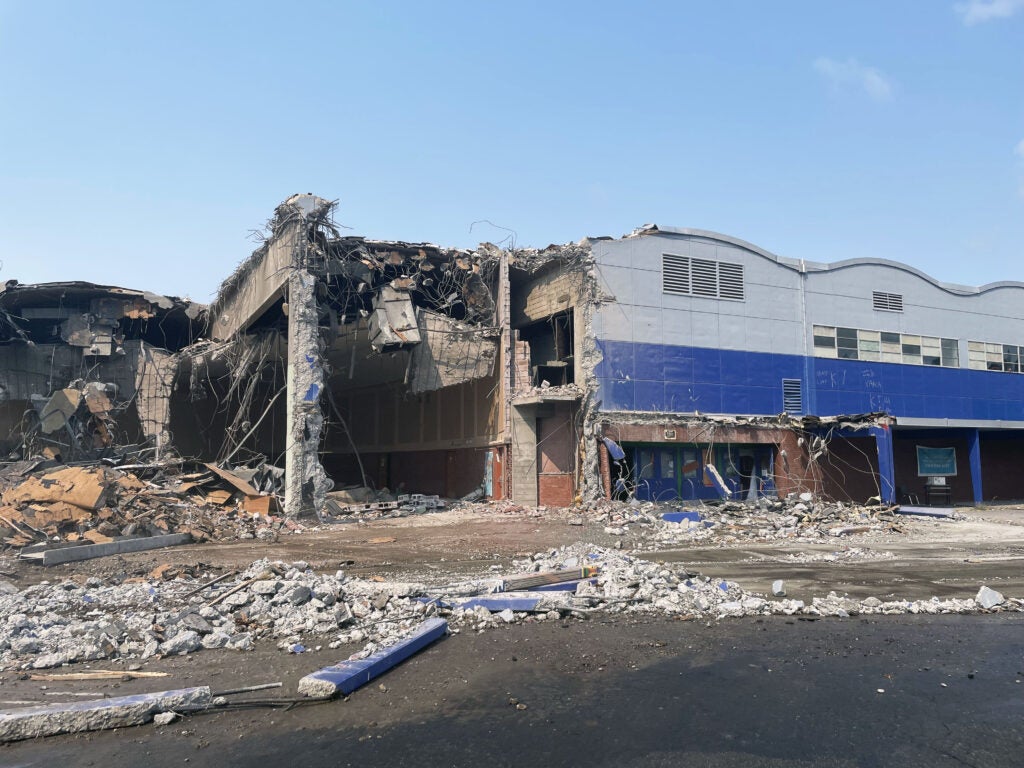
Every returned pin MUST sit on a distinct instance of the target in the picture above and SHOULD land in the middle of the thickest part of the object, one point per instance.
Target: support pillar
(974, 454)
(886, 463)
(524, 455)
(306, 483)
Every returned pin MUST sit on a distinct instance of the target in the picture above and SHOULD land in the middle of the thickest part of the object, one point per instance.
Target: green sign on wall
(932, 462)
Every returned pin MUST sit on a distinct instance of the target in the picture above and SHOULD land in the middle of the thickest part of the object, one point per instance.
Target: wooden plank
(74, 485)
(260, 505)
(233, 479)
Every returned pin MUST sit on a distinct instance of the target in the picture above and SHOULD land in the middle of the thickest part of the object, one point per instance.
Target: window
(792, 396)
(685, 276)
(887, 302)
(931, 351)
(950, 353)
(986, 356)
(824, 341)
(846, 343)
(869, 346)
(910, 349)
(668, 464)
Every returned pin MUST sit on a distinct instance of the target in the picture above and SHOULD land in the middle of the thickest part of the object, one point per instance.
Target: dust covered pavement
(181, 610)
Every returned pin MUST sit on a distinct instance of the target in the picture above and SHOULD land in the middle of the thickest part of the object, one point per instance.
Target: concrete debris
(166, 718)
(101, 504)
(79, 716)
(988, 598)
(49, 625)
(342, 506)
(653, 526)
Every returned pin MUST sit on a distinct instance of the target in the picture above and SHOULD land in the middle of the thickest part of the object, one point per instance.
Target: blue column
(886, 464)
(974, 453)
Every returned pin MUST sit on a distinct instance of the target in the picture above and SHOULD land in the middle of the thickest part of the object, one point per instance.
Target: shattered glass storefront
(665, 472)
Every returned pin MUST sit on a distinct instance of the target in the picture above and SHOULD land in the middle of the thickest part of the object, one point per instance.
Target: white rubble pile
(632, 585)
(51, 624)
(800, 518)
(860, 554)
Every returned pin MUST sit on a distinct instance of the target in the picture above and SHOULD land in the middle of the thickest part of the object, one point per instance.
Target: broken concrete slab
(100, 714)
(347, 676)
(90, 551)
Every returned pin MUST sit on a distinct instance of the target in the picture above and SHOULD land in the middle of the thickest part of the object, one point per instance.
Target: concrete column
(524, 455)
(306, 483)
(974, 455)
(886, 463)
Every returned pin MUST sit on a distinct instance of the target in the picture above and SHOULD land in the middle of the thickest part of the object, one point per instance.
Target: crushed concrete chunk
(988, 598)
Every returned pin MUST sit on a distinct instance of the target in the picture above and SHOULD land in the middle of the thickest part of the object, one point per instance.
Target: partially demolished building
(86, 369)
(667, 364)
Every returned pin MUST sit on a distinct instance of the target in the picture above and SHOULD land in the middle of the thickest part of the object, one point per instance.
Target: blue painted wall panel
(654, 377)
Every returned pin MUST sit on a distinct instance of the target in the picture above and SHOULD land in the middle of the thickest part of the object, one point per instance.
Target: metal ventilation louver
(730, 281)
(675, 274)
(792, 396)
(887, 302)
(686, 276)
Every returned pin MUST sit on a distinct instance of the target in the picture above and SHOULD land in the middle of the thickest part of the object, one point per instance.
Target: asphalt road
(881, 691)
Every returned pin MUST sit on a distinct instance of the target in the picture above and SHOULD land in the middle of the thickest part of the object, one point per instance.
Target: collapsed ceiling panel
(451, 352)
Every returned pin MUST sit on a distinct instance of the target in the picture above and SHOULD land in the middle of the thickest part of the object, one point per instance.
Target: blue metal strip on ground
(683, 514)
(350, 675)
(924, 511)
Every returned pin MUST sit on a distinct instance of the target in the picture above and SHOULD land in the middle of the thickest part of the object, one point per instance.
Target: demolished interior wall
(74, 357)
(552, 294)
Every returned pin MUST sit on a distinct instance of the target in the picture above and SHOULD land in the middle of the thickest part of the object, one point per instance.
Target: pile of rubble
(48, 625)
(362, 503)
(41, 501)
(800, 518)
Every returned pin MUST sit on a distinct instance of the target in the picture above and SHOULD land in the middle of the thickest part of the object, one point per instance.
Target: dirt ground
(564, 671)
(944, 558)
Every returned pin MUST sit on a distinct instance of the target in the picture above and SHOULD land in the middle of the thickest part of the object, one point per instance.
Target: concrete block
(90, 551)
(347, 676)
(99, 714)
(988, 598)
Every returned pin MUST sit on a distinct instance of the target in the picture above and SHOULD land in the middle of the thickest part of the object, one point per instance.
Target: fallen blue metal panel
(923, 511)
(350, 675)
(501, 603)
(683, 514)
(614, 449)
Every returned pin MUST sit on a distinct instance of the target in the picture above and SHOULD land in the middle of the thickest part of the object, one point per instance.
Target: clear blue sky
(141, 142)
